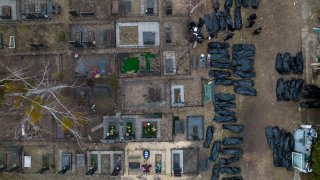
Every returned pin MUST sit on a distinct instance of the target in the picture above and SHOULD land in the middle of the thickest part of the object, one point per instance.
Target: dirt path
(281, 23)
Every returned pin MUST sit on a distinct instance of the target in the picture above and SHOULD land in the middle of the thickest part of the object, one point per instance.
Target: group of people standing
(251, 21)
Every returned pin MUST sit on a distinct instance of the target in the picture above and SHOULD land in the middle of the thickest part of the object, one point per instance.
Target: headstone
(80, 160)
(177, 127)
(146, 154)
(202, 61)
(27, 161)
(169, 65)
(203, 165)
(150, 7)
(176, 164)
(66, 161)
(134, 165)
(1, 41)
(127, 6)
(194, 62)
(168, 8)
(149, 38)
(5, 12)
(57, 9)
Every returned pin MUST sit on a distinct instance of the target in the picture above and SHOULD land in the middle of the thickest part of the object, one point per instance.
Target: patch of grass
(148, 57)
(61, 36)
(315, 157)
(94, 160)
(114, 83)
(148, 64)
(131, 65)
(8, 176)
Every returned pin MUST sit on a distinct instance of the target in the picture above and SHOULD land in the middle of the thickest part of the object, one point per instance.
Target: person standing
(251, 23)
(215, 5)
(231, 28)
(257, 31)
(252, 17)
(229, 36)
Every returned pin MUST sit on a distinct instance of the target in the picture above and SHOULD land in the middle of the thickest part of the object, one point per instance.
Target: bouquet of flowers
(145, 168)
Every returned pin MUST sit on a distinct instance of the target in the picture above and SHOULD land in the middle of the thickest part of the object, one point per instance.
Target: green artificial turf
(131, 65)
(149, 57)
(148, 64)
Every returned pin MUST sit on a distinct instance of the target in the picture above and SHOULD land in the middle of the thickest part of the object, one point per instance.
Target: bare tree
(34, 95)
(194, 4)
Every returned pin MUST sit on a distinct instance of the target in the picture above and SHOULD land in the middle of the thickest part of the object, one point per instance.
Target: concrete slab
(13, 5)
(142, 27)
(135, 94)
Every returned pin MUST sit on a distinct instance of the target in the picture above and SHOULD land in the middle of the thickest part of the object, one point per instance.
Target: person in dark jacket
(257, 31)
(229, 36)
(231, 28)
(215, 5)
(251, 23)
(213, 35)
(252, 17)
